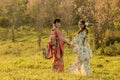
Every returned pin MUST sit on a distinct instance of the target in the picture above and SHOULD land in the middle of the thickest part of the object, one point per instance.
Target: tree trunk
(13, 34)
(39, 40)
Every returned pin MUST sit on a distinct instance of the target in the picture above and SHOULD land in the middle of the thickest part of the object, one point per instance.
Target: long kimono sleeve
(75, 40)
(74, 43)
(89, 50)
(49, 52)
(50, 46)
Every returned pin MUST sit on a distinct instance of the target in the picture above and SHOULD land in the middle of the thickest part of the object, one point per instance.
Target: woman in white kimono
(82, 50)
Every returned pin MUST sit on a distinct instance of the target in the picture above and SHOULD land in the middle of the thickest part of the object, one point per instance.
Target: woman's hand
(70, 45)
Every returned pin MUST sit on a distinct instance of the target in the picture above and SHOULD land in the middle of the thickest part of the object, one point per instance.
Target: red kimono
(56, 49)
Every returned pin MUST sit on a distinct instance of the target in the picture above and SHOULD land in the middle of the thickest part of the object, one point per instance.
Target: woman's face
(58, 24)
(81, 26)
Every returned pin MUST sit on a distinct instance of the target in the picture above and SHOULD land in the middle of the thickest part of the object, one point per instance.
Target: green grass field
(23, 60)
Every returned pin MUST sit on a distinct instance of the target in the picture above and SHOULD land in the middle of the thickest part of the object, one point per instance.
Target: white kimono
(83, 52)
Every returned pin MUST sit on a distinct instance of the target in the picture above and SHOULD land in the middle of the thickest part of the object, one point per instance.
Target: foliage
(23, 60)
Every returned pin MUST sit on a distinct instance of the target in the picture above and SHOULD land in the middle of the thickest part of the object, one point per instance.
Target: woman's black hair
(57, 20)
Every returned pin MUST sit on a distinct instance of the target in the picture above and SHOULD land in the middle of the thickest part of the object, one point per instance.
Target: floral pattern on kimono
(56, 49)
(83, 52)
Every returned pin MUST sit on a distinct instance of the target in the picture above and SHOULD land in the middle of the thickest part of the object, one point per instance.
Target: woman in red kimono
(56, 47)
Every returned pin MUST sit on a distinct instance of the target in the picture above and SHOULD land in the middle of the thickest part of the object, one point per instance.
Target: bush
(111, 36)
(24, 28)
(112, 50)
(108, 51)
(4, 22)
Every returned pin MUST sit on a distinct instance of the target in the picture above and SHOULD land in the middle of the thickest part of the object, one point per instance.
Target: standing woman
(56, 47)
(82, 51)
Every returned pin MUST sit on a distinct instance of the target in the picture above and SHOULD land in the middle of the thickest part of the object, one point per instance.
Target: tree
(13, 11)
(100, 13)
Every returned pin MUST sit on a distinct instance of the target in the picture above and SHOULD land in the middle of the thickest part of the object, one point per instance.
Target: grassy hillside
(23, 60)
